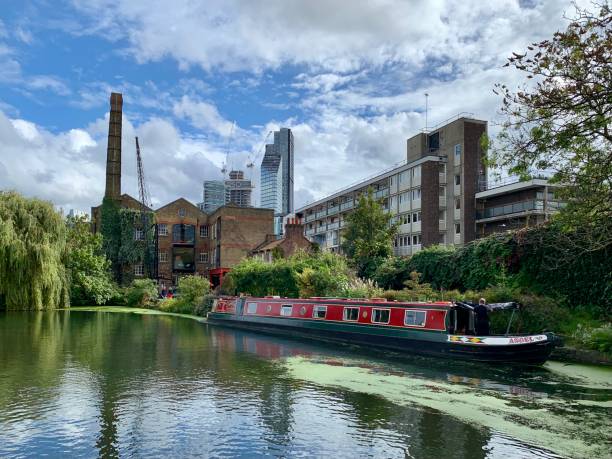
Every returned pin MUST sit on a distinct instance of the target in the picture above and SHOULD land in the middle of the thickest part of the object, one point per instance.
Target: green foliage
(368, 238)
(32, 254)
(392, 272)
(361, 288)
(118, 226)
(562, 122)
(302, 275)
(192, 289)
(89, 269)
(142, 293)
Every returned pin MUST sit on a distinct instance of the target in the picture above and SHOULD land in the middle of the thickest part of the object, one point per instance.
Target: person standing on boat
(482, 318)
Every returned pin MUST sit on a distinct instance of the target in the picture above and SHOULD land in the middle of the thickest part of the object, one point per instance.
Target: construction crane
(227, 150)
(149, 263)
(253, 158)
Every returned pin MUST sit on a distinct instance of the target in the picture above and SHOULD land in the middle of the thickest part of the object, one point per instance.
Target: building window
(163, 256)
(138, 234)
(251, 308)
(442, 215)
(381, 316)
(442, 191)
(457, 179)
(416, 172)
(442, 168)
(457, 228)
(181, 212)
(139, 270)
(457, 153)
(416, 217)
(351, 314)
(183, 259)
(392, 180)
(416, 194)
(458, 204)
(318, 312)
(415, 318)
(286, 310)
(183, 234)
(405, 219)
(416, 239)
(203, 257)
(162, 229)
(203, 231)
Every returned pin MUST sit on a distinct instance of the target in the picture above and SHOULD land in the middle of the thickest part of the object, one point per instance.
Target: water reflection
(129, 385)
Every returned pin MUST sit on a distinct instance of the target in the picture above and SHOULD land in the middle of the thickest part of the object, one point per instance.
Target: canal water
(122, 384)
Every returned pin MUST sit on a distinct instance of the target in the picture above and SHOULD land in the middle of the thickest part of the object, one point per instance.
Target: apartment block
(238, 189)
(512, 204)
(213, 195)
(431, 194)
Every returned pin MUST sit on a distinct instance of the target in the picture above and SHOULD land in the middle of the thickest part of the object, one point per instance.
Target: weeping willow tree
(32, 254)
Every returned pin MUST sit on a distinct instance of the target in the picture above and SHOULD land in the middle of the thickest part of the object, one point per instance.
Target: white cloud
(202, 115)
(68, 168)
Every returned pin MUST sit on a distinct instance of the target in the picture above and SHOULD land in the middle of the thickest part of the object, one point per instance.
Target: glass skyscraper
(277, 176)
(213, 196)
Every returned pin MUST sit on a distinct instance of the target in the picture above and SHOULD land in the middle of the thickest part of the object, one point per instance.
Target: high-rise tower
(277, 176)
(113, 149)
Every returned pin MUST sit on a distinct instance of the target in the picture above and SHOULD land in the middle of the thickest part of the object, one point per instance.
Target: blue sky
(347, 76)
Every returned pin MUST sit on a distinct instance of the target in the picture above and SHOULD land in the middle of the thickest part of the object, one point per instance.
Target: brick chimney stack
(113, 149)
(293, 227)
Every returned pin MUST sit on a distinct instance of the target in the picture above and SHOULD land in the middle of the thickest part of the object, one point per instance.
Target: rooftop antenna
(227, 149)
(426, 109)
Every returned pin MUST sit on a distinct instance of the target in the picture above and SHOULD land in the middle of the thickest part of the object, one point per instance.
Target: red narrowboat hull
(409, 329)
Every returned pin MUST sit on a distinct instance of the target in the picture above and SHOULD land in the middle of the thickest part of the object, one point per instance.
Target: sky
(206, 81)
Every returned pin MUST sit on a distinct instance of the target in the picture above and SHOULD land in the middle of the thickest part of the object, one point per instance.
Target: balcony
(457, 238)
(346, 205)
(442, 225)
(457, 215)
(310, 232)
(333, 226)
(416, 204)
(310, 217)
(442, 201)
(381, 193)
(416, 227)
(442, 177)
(515, 208)
(456, 190)
(333, 210)
(321, 213)
(320, 229)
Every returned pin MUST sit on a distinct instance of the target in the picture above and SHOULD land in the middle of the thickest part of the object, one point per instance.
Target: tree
(367, 238)
(563, 121)
(90, 276)
(32, 252)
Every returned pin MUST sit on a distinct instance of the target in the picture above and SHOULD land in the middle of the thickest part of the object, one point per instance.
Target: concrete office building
(238, 189)
(431, 194)
(277, 176)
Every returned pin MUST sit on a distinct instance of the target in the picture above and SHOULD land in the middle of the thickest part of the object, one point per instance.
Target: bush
(142, 293)
(192, 289)
(361, 288)
(599, 338)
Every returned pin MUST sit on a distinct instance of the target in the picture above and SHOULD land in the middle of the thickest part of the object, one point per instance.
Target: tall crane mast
(149, 262)
(225, 167)
(253, 158)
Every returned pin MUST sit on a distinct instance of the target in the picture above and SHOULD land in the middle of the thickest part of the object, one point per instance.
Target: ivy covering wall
(118, 226)
(545, 260)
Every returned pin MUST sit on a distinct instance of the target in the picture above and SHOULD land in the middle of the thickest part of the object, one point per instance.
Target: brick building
(187, 240)
(292, 241)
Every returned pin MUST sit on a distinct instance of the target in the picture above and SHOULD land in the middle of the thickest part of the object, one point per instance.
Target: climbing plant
(32, 254)
(122, 248)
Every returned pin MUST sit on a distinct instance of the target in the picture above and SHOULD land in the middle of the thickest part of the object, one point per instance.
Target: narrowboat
(442, 329)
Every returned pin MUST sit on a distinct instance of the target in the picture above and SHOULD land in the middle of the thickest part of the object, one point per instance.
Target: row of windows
(181, 230)
(413, 318)
(404, 219)
(163, 257)
(404, 241)
(404, 197)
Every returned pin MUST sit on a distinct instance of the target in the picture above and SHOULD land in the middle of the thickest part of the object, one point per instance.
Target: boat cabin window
(350, 314)
(286, 310)
(251, 308)
(318, 312)
(381, 316)
(415, 318)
